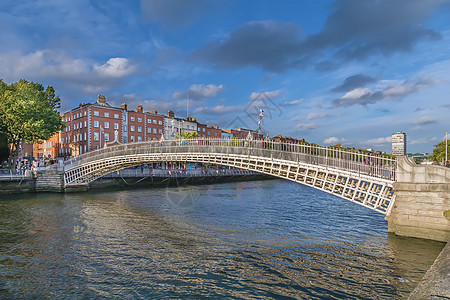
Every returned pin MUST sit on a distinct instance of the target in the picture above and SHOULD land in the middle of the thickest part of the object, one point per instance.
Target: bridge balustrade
(342, 159)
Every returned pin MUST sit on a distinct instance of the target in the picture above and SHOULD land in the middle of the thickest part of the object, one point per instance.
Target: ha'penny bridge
(363, 179)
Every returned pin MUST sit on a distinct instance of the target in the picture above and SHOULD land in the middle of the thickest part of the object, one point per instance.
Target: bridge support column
(422, 203)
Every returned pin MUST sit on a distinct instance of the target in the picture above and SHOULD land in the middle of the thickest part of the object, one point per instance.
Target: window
(154, 122)
(96, 113)
(85, 139)
(85, 124)
(132, 128)
(139, 120)
(209, 133)
(106, 137)
(116, 125)
(199, 129)
(203, 129)
(106, 124)
(154, 130)
(132, 138)
(139, 139)
(68, 128)
(96, 136)
(95, 124)
(85, 116)
(160, 130)
(149, 121)
(139, 128)
(132, 119)
(116, 116)
(160, 122)
(149, 130)
(215, 133)
(107, 114)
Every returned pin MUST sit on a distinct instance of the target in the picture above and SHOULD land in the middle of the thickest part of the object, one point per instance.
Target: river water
(249, 240)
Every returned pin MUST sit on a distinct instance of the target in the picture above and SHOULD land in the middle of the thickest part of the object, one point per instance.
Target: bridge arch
(346, 175)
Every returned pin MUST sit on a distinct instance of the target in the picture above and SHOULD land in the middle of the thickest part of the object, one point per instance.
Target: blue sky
(349, 72)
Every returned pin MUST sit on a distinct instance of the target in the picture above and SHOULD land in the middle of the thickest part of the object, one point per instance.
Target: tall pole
(187, 102)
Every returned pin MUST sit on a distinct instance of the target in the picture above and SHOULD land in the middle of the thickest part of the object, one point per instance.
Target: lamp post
(446, 147)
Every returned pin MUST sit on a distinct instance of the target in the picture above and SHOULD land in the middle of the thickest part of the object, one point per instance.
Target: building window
(106, 124)
(132, 119)
(139, 139)
(85, 124)
(132, 138)
(131, 127)
(149, 121)
(160, 130)
(106, 137)
(95, 124)
(139, 128)
(139, 120)
(85, 116)
(85, 139)
(149, 130)
(160, 122)
(215, 133)
(96, 136)
(116, 125)
(203, 129)
(107, 114)
(116, 116)
(154, 130)
(96, 113)
(154, 122)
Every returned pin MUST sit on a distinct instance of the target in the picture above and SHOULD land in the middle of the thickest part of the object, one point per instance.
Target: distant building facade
(398, 144)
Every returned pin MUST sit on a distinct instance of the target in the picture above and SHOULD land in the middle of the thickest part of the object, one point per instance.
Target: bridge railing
(343, 159)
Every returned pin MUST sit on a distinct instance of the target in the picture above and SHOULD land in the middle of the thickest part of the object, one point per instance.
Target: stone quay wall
(422, 203)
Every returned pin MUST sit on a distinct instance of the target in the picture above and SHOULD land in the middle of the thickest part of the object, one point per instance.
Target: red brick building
(242, 133)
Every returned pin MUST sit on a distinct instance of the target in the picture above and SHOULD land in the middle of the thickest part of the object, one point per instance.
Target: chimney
(140, 109)
(170, 114)
(101, 99)
(123, 106)
(216, 127)
(153, 112)
(81, 105)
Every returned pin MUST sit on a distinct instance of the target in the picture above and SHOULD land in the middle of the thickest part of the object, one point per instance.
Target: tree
(28, 114)
(187, 135)
(438, 152)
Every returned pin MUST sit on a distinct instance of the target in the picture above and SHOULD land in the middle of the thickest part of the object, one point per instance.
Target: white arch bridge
(363, 179)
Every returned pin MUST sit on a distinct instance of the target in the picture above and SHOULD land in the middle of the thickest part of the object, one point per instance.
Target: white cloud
(425, 120)
(263, 95)
(217, 110)
(200, 91)
(332, 140)
(115, 67)
(297, 118)
(378, 141)
(306, 126)
(313, 116)
(293, 102)
(76, 73)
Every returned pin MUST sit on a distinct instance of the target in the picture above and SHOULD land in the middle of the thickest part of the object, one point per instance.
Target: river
(267, 239)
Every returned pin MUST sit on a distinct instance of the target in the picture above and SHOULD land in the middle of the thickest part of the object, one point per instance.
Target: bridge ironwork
(361, 178)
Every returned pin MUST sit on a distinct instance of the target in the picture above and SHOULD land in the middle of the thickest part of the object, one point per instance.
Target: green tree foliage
(28, 114)
(187, 135)
(439, 151)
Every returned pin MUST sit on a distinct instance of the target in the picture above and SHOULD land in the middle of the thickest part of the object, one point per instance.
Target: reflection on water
(267, 239)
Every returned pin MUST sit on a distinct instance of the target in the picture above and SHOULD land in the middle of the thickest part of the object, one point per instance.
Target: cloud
(297, 118)
(77, 73)
(175, 13)
(384, 27)
(306, 126)
(270, 45)
(365, 96)
(217, 110)
(332, 140)
(291, 103)
(353, 82)
(378, 141)
(425, 120)
(200, 92)
(313, 116)
(264, 95)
